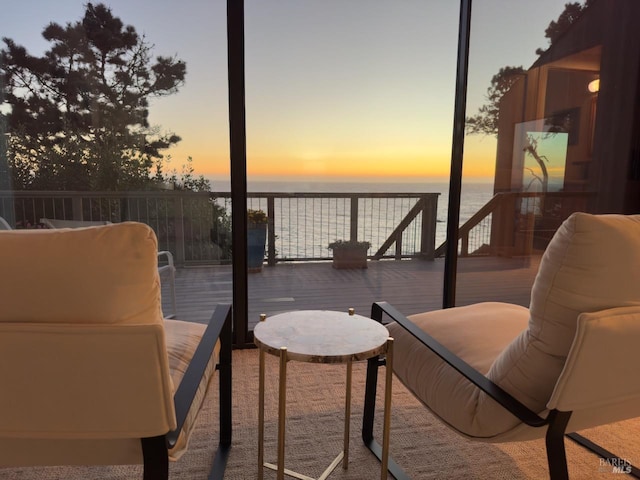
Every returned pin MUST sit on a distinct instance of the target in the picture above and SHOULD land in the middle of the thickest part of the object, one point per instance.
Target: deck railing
(398, 225)
(302, 224)
(305, 223)
(515, 223)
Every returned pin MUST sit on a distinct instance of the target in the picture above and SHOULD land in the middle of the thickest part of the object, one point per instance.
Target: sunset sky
(335, 88)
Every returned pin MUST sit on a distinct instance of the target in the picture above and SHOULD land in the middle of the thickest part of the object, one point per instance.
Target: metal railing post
(178, 215)
(353, 232)
(271, 231)
(428, 233)
(76, 208)
(124, 209)
(399, 246)
(464, 249)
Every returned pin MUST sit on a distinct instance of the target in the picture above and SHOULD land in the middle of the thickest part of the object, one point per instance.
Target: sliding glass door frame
(457, 153)
(238, 161)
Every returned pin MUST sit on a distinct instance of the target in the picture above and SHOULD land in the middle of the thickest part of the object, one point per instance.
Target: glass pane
(349, 114)
(124, 120)
(552, 125)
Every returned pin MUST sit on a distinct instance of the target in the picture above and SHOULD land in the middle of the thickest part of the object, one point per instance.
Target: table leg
(282, 411)
(387, 410)
(347, 416)
(261, 417)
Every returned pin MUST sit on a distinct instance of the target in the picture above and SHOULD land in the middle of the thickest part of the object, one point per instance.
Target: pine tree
(78, 114)
(485, 121)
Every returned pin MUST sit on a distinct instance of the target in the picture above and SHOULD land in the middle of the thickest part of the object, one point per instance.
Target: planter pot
(256, 241)
(350, 257)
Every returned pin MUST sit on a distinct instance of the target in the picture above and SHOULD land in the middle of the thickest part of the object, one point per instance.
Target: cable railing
(302, 224)
(305, 223)
(397, 225)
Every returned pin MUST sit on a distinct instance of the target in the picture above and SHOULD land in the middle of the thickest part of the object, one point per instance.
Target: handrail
(497, 202)
(463, 232)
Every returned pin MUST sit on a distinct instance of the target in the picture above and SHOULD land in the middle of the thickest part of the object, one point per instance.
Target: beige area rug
(315, 412)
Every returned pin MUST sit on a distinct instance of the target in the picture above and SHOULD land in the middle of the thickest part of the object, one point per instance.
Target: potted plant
(349, 253)
(256, 239)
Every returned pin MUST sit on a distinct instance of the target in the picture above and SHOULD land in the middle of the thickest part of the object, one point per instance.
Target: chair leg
(369, 416)
(226, 384)
(370, 399)
(556, 455)
(370, 387)
(155, 458)
(220, 462)
(225, 395)
(605, 454)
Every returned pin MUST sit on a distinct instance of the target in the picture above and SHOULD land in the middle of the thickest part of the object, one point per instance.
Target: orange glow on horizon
(479, 162)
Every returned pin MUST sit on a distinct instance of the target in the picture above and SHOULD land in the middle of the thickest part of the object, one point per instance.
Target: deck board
(412, 286)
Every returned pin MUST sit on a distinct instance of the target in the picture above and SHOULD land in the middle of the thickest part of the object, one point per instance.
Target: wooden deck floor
(411, 285)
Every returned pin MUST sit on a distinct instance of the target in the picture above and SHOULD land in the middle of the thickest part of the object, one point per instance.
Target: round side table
(320, 336)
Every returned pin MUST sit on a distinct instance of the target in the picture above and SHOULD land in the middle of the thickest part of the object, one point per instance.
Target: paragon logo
(615, 465)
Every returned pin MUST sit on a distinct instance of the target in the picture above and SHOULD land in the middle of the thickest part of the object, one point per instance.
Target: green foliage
(349, 244)
(77, 117)
(185, 180)
(486, 120)
(256, 216)
(572, 11)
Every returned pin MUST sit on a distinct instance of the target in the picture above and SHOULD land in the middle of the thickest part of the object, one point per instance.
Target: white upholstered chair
(4, 225)
(165, 257)
(495, 372)
(91, 372)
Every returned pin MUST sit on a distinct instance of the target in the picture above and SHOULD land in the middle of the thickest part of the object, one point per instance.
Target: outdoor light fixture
(594, 85)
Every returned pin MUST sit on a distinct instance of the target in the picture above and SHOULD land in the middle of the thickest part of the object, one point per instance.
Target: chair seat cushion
(182, 340)
(477, 334)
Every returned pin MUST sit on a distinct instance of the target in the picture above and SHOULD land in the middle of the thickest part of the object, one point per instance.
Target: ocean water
(305, 227)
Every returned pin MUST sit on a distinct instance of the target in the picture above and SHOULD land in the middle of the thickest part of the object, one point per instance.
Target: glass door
(551, 129)
(349, 108)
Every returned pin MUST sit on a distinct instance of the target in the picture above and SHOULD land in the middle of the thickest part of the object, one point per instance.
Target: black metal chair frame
(556, 421)
(156, 449)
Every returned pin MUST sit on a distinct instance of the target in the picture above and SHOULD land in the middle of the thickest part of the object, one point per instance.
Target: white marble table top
(321, 336)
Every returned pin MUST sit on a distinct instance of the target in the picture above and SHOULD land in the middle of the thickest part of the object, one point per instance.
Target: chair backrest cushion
(104, 274)
(591, 264)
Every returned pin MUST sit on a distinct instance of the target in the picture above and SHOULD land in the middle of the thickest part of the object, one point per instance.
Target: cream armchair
(165, 258)
(91, 372)
(495, 372)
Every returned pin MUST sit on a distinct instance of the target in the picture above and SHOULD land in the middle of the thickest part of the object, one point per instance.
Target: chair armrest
(604, 350)
(169, 258)
(219, 327)
(494, 391)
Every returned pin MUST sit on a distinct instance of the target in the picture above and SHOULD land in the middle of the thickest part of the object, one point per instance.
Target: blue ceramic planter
(256, 240)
